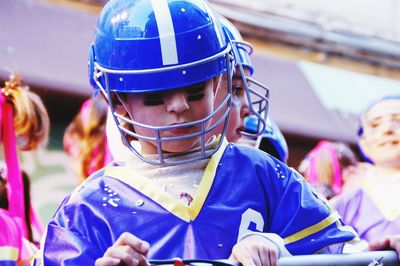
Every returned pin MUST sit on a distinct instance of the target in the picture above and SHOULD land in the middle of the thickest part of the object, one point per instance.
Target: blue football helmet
(271, 141)
(158, 45)
(257, 93)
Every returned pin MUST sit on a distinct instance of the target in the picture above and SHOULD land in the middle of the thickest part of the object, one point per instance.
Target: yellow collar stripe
(332, 218)
(206, 181)
(149, 188)
(173, 205)
(8, 253)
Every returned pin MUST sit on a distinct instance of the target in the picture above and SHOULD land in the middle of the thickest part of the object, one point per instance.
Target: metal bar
(373, 258)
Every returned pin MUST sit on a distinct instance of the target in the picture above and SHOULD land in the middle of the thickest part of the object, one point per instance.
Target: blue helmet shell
(160, 40)
(244, 48)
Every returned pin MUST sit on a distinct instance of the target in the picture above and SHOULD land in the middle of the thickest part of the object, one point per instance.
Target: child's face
(172, 107)
(239, 105)
(381, 133)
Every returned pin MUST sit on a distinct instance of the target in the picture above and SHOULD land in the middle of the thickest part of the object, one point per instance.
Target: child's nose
(389, 127)
(177, 102)
(245, 109)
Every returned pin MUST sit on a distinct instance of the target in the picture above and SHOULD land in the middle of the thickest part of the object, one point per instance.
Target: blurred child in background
(24, 126)
(327, 166)
(85, 138)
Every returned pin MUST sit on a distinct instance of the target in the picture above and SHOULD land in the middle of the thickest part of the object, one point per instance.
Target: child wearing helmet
(250, 101)
(158, 64)
(85, 137)
(249, 97)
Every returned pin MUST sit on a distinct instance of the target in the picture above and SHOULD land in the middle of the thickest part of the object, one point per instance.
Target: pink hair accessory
(85, 114)
(337, 176)
(85, 111)
(15, 188)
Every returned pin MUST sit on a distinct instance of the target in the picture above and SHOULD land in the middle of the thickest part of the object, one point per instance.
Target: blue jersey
(242, 190)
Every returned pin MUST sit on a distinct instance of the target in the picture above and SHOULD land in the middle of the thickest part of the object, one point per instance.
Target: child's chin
(180, 146)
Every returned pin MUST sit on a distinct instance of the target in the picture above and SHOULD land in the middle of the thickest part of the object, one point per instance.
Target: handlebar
(371, 258)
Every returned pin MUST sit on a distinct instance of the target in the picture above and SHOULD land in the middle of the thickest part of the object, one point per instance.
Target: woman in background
(373, 209)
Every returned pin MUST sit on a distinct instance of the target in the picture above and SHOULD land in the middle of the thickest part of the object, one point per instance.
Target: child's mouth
(179, 131)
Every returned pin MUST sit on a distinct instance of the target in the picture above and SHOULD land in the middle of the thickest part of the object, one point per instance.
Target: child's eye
(153, 99)
(196, 91)
(374, 123)
(237, 91)
(396, 118)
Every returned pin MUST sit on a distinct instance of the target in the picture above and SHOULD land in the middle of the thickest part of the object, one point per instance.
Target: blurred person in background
(328, 166)
(24, 126)
(373, 209)
(85, 138)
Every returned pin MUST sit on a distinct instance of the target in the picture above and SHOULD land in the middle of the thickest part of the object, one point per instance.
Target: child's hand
(127, 250)
(387, 242)
(255, 250)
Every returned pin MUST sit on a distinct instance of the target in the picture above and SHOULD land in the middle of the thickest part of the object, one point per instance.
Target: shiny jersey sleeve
(242, 190)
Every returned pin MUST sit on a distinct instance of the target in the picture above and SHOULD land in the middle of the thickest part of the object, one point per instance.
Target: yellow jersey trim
(332, 218)
(9, 253)
(149, 188)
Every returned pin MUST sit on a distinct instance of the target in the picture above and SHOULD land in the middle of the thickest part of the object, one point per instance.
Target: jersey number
(248, 217)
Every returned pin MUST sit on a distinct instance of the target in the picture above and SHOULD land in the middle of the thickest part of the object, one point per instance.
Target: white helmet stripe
(166, 32)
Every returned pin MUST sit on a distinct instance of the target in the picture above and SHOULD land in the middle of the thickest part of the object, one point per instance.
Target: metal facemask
(163, 158)
(256, 92)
